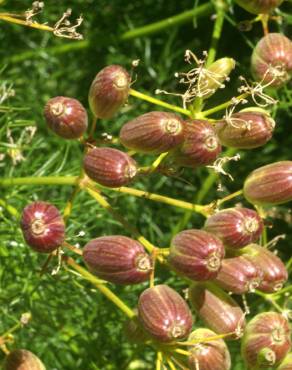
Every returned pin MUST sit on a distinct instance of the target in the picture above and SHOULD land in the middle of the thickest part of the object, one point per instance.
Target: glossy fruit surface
(66, 117)
(42, 226)
(245, 130)
(200, 147)
(239, 275)
(236, 227)
(109, 167)
(22, 359)
(266, 340)
(217, 309)
(109, 91)
(274, 270)
(118, 259)
(259, 6)
(270, 184)
(196, 254)
(212, 355)
(271, 59)
(153, 132)
(164, 314)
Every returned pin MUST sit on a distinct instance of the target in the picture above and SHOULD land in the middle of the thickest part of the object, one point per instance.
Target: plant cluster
(221, 263)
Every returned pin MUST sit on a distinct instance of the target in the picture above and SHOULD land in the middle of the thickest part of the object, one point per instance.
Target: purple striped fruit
(109, 167)
(259, 6)
(109, 91)
(266, 340)
(66, 117)
(22, 359)
(236, 227)
(164, 314)
(270, 184)
(196, 254)
(117, 259)
(153, 132)
(245, 130)
(239, 275)
(271, 59)
(217, 309)
(286, 364)
(212, 355)
(200, 147)
(42, 226)
(274, 270)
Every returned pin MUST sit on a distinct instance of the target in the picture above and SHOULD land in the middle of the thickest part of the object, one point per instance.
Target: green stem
(104, 203)
(73, 180)
(222, 106)
(188, 15)
(161, 103)
(45, 180)
(101, 287)
(217, 30)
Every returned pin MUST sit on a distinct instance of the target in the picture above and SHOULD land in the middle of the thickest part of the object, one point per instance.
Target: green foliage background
(73, 326)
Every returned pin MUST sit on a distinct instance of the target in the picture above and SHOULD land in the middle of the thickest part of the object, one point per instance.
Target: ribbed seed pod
(42, 226)
(245, 130)
(66, 117)
(286, 364)
(266, 340)
(22, 359)
(109, 167)
(109, 91)
(259, 6)
(239, 275)
(153, 132)
(117, 259)
(200, 147)
(196, 254)
(270, 184)
(214, 77)
(272, 59)
(217, 309)
(212, 355)
(164, 314)
(236, 227)
(274, 270)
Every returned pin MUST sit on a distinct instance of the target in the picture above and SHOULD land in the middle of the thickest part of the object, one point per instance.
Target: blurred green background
(73, 326)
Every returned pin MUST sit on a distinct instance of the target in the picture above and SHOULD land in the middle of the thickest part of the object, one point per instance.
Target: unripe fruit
(22, 359)
(42, 226)
(66, 117)
(245, 130)
(109, 91)
(164, 314)
(286, 364)
(200, 147)
(270, 184)
(134, 332)
(239, 275)
(153, 132)
(217, 309)
(274, 270)
(266, 340)
(272, 59)
(214, 76)
(109, 167)
(117, 259)
(259, 6)
(212, 355)
(236, 227)
(196, 254)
